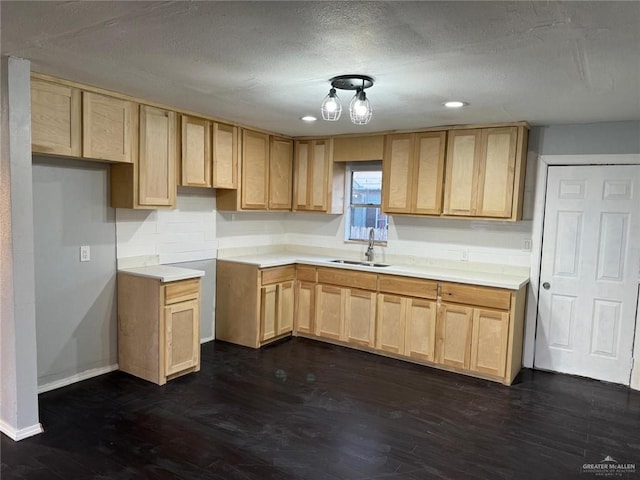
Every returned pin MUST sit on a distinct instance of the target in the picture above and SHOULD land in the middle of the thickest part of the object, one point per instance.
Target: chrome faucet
(369, 254)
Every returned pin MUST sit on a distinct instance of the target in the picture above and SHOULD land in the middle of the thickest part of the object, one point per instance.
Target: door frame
(539, 205)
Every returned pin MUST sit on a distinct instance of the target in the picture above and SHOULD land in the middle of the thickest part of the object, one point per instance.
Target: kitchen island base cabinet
(158, 327)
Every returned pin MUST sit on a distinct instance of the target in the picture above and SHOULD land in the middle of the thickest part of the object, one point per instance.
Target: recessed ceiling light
(455, 104)
(308, 118)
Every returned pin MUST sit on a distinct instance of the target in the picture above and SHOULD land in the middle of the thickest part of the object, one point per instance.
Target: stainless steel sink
(358, 262)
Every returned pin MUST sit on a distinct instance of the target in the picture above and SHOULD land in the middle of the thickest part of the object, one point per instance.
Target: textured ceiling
(268, 63)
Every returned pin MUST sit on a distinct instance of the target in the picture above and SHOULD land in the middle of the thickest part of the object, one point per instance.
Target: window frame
(366, 166)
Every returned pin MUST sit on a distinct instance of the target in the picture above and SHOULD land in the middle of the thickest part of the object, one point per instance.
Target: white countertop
(164, 273)
(471, 276)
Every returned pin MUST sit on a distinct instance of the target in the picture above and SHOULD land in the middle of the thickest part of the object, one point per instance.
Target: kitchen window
(364, 211)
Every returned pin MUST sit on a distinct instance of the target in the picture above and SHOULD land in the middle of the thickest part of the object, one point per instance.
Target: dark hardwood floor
(302, 409)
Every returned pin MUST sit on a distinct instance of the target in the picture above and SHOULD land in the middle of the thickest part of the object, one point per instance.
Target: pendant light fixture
(360, 110)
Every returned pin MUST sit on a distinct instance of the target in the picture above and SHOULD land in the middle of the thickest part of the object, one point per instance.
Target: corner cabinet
(485, 172)
(158, 327)
(318, 181)
(254, 306)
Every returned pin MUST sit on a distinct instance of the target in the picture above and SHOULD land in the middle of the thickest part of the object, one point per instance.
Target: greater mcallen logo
(609, 467)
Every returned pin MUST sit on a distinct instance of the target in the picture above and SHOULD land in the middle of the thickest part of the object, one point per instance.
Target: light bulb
(360, 109)
(331, 107)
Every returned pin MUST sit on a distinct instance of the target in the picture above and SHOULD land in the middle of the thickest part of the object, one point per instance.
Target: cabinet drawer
(410, 287)
(278, 274)
(475, 295)
(348, 278)
(175, 292)
(306, 274)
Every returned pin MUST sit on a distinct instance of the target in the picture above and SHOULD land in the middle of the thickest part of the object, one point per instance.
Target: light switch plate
(85, 253)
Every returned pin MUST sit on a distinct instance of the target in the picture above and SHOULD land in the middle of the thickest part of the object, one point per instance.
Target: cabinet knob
(546, 285)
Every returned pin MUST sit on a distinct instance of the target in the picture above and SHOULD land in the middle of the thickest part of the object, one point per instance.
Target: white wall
(187, 233)
(18, 395)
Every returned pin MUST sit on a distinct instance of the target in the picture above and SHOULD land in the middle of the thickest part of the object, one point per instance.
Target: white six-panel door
(589, 272)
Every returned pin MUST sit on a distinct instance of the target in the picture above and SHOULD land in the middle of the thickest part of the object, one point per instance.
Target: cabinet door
(268, 312)
(305, 307)
(109, 128)
(390, 327)
(55, 119)
(397, 173)
(182, 336)
(329, 319)
(496, 172)
(157, 160)
(420, 341)
(284, 320)
(461, 183)
(489, 341)
(428, 173)
(454, 335)
(196, 152)
(320, 171)
(225, 156)
(302, 162)
(255, 170)
(280, 174)
(360, 317)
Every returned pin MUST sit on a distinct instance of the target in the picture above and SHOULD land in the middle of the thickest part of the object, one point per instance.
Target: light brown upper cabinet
(151, 181)
(358, 148)
(280, 173)
(195, 163)
(265, 175)
(413, 168)
(225, 156)
(109, 128)
(485, 172)
(56, 116)
(318, 183)
(73, 123)
(255, 170)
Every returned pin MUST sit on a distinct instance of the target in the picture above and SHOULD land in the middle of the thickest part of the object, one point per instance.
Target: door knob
(546, 285)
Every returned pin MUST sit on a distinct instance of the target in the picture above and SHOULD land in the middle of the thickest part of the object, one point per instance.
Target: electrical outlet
(465, 255)
(526, 245)
(85, 253)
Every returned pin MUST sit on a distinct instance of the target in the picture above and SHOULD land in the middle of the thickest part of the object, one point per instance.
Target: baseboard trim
(22, 433)
(78, 377)
(207, 339)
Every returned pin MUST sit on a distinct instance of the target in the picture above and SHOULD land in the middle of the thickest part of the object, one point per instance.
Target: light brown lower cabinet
(420, 324)
(390, 328)
(469, 329)
(158, 327)
(254, 305)
(276, 310)
(330, 304)
(454, 335)
(305, 307)
(360, 317)
(489, 341)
